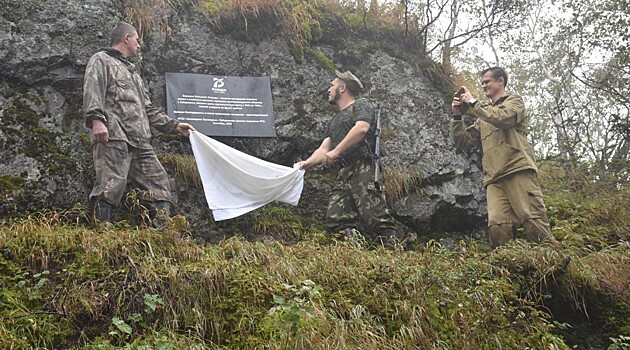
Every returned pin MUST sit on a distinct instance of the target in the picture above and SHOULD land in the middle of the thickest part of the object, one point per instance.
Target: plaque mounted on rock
(222, 105)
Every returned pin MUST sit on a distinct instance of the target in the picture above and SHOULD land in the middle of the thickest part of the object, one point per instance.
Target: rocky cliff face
(45, 152)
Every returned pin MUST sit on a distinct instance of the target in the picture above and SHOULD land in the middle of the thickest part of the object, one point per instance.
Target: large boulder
(45, 152)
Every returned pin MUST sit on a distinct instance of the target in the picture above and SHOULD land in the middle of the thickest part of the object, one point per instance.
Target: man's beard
(336, 99)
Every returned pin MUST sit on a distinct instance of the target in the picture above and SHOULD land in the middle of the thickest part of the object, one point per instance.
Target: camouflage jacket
(113, 91)
(501, 130)
(345, 120)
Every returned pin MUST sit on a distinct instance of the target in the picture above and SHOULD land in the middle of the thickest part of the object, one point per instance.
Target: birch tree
(571, 63)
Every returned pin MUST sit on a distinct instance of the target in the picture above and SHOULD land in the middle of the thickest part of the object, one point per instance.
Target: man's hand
(184, 129)
(331, 156)
(100, 134)
(459, 106)
(317, 157)
(466, 96)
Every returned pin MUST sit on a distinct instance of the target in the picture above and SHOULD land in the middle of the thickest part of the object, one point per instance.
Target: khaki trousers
(517, 199)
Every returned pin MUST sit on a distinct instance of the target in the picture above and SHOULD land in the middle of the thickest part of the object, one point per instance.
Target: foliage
(290, 316)
(416, 24)
(597, 284)
(621, 343)
(584, 210)
(132, 287)
(564, 55)
(296, 20)
(184, 167)
(399, 183)
(322, 59)
(65, 285)
(280, 222)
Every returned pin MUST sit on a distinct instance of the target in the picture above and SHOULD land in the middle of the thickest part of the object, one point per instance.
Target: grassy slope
(66, 285)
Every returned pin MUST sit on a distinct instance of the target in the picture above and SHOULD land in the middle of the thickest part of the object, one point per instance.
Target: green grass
(66, 285)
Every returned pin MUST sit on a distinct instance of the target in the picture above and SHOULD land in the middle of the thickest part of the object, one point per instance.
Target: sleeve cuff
(100, 117)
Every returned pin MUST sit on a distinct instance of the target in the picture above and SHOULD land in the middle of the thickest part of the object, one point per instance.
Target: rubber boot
(500, 234)
(103, 213)
(537, 229)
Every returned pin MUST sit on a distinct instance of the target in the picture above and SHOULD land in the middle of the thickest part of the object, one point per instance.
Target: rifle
(377, 148)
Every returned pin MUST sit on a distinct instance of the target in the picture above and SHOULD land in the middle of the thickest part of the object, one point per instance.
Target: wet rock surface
(45, 150)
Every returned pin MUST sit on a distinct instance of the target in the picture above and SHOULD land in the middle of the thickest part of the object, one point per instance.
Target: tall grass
(64, 285)
(298, 21)
(123, 285)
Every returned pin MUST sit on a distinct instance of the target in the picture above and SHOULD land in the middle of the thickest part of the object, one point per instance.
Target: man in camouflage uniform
(118, 110)
(350, 135)
(510, 172)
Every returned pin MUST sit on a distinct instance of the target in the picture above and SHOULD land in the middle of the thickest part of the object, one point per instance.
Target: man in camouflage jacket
(509, 166)
(355, 199)
(119, 112)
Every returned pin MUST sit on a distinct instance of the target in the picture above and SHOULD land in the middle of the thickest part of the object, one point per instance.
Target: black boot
(351, 235)
(388, 238)
(102, 212)
(346, 234)
(159, 213)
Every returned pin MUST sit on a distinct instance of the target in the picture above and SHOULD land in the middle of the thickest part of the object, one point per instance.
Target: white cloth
(236, 183)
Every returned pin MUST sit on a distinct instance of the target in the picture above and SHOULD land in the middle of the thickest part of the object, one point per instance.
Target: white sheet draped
(236, 183)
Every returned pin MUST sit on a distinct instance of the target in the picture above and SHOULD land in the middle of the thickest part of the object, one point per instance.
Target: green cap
(348, 76)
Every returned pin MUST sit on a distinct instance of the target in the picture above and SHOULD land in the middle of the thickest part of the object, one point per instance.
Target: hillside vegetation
(67, 285)
(279, 281)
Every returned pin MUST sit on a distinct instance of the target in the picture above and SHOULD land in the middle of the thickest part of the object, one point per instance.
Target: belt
(343, 162)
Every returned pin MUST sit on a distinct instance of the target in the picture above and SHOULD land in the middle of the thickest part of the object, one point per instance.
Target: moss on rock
(11, 183)
(21, 125)
(599, 285)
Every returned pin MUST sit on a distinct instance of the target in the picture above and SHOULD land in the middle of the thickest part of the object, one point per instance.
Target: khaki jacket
(113, 91)
(501, 130)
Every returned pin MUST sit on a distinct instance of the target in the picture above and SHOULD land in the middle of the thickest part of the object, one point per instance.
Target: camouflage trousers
(117, 162)
(355, 200)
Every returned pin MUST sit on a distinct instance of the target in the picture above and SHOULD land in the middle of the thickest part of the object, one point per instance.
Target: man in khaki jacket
(509, 166)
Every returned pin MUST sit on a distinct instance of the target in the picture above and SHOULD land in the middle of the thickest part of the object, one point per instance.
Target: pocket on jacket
(124, 90)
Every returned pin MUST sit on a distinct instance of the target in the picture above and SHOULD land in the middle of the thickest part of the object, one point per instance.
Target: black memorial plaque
(220, 105)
